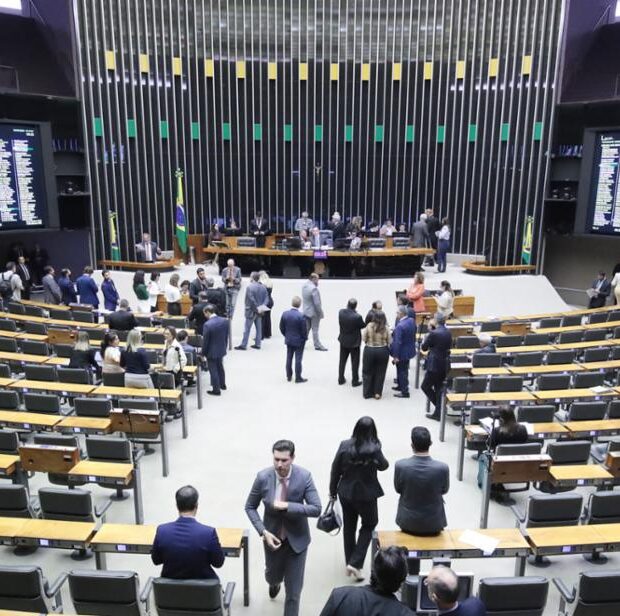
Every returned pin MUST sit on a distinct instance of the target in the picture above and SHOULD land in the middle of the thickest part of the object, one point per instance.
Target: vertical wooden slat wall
(362, 106)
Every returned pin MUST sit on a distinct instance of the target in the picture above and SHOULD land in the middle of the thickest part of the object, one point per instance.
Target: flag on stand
(528, 239)
(114, 247)
(181, 221)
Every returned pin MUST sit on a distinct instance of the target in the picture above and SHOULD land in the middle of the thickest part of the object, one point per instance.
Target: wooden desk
(85, 425)
(24, 358)
(4, 382)
(22, 420)
(57, 361)
(566, 539)
(138, 539)
(567, 395)
(64, 389)
(167, 395)
(574, 475)
(490, 371)
(33, 337)
(118, 473)
(489, 398)
(31, 302)
(532, 348)
(9, 529)
(132, 266)
(587, 345)
(545, 369)
(55, 534)
(8, 464)
(6, 334)
(602, 427)
(610, 364)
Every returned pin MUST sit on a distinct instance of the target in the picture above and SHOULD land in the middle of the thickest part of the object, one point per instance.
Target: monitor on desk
(376, 242)
(425, 605)
(400, 241)
(246, 242)
(327, 238)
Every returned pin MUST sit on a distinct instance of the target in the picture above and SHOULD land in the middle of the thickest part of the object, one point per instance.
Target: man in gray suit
(231, 277)
(51, 290)
(421, 483)
(419, 233)
(256, 298)
(289, 497)
(313, 311)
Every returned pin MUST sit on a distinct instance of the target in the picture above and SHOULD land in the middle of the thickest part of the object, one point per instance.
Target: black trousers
(355, 549)
(216, 372)
(432, 386)
(374, 366)
(355, 363)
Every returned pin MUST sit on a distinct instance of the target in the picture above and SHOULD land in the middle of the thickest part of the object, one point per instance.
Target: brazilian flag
(115, 250)
(181, 221)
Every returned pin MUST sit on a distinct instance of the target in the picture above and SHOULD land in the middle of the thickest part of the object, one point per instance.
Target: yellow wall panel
(177, 66)
(397, 71)
(209, 67)
(144, 63)
(334, 71)
(526, 65)
(460, 69)
(493, 67)
(428, 70)
(272, 70)
(110, 61)
(303, 71)
(240, 66)
(365, 72)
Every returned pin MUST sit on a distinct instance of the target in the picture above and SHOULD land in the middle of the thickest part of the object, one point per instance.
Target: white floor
(230, 440)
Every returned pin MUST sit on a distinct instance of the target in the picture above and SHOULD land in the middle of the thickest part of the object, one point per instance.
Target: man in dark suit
(402, 349)
(123, 320)
(289, 498)
(198, 284)
(443, 589)
(147, 251)
(217, 297)
(433, 225)
(437, 343)
(601, 288)
(196, 317)
(256, 299)
(421, 483)
(389, 570)
(295, 332)
(23, 271)
(87, 288)
(188, 549)
(214, 345)
(350, 338)
(259, 228)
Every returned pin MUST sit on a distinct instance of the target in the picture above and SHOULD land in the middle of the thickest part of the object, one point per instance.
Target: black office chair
(106, 592)
(111, 449)
(565, 453)
(143, 321)
(467, 342)
(16, 308)
(469, 384)
(40, 372)
(597, 318)
(613, 409)
(5, 371)
(571, 320)
(591, 335)
(8, 325)
(153, 338)
(80, 376)
(24, 589)
(563, 356)
(617, 332)
(553, 381)
(615, 352)
(42, 403)
(599, 452)
(528, 359)
(550, 322)
(602, 508)
(486, 360)
(491, 326)
(190, 597)
(570, 337)
(153, 356)
(598, 354)
(534, 413)
(8, 345)
(588, 379)
(176, 322)
(543, 510)
(96, 335)
(40, 329)
(62, 315)
(9, 400)
(33, 311)
(505, 383)
(508, 341)
(34, 347)
(9, 442)
(63, 350)
(585, 411)
(83, 316)
(16, 503)
(113, 379)
(598, 594)
(535, 339)
(477, 413)
(195, 340)
(514, 596)
(613, 315)
(92, 407)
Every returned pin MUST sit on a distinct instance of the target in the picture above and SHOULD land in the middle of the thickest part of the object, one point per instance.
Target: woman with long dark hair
(142, 294)
(111, 353)
(354, 480)
(377, 339)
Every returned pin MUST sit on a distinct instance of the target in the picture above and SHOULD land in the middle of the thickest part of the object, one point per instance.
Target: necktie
(283, 498)
(26, 274)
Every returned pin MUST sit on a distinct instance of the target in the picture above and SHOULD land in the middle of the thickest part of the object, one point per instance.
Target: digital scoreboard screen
(604, 209)
(23, 196)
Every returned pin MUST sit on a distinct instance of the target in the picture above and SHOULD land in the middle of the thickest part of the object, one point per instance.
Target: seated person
(123, 319)
(388, 229)
(509, 430)
(82, 356)
(443, 589)
(486, 344)
(315, 238)
(136, 362)
(389, 570)
(187, 549)
(214, 234)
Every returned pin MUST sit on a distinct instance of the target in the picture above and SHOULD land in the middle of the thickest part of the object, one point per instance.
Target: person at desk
(354, 479)
(198, 284)
(259, 227)
(231, 277)
(187, 549)
(415, 293)
(87, 288)
(601, 288)
(147, 250)
(315, 238)
(111, 353)
(82, 355)
(289, 498)
(123, 319)
(350, 337)
(67, 287)
(215, 335)
(110, 294)
(51, 291)
(215, 234)
(136, 362)
(486, 344)
(354, 228)
(388, 229)
(173, 296)
(421, 483)
(337, 226)
(142, 293)
(304, 223)
(437, 344)
(389, 571)
(443, 589)
(509, 430)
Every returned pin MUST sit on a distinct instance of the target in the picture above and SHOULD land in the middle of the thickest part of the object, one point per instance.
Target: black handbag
(330, 520)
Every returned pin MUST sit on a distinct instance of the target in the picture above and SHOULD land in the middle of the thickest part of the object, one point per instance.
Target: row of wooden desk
(110, 539)
(511, 542)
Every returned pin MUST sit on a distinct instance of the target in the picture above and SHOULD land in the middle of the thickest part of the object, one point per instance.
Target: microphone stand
(459, 470)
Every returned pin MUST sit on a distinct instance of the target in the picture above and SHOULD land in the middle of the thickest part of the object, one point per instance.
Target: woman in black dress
(354, 480)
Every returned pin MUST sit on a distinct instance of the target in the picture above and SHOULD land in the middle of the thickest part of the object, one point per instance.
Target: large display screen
(23, 194)
(604, 207)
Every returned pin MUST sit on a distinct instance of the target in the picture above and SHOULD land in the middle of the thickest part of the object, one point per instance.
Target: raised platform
(481, 267)
(132, 266)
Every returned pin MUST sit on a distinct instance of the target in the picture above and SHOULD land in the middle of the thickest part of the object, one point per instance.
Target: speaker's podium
(48, 458)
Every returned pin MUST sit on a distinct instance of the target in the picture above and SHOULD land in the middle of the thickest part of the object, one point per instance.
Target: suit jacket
(87, 290)
(421, 483)
(487, 348)
(603, 293)
(217, 297)
(438, 343)
(255, 295)
(293, 328)
(403, 339)
(141, 251)
(259, 225)
(197, 318)
(311, 297)
(110, 295)
(122, 321)
(195, 287)
(419, 232)
(338, 230)
(234, 275)
(67, 288)
(51, 290)
(187, 549)
(351, 325)
(472, 606)
(433, 225)
(351, 600)
(23, 271)
(354, 477)
(215, 337)
(303, 503)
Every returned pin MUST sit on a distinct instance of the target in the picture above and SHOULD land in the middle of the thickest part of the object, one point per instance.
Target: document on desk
(601, 389)
(486, 423)
(529, 427)
(482, 542)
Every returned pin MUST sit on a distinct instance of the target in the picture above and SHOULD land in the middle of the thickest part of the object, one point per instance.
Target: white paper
(600, 389)
(482, 542)
(486, 423)
(528, 426)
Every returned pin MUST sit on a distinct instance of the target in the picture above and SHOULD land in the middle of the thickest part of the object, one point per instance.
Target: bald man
(443, 589)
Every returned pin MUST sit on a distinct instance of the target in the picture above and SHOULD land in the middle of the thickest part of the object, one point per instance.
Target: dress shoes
(433, 416)
(289, 378)
(214, 393)
(395, 388)
(321, 348)
(356, 384)
(274, 590)
(223, 387)
(342, 381)
(355, 572)
(301, 380)
(402, 396)
(255, 347)
(240, 348)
